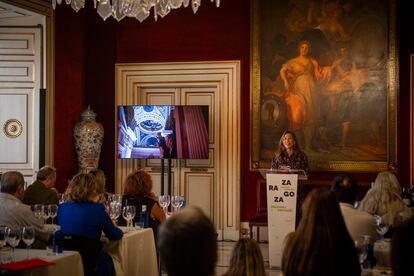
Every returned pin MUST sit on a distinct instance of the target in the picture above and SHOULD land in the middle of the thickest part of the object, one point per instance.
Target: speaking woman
(289, 155)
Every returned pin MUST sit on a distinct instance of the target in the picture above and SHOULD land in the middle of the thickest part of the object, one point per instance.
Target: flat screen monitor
(163, 131)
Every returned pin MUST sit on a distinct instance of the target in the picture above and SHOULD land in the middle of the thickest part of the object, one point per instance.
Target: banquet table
(67, 263)
(134, 254)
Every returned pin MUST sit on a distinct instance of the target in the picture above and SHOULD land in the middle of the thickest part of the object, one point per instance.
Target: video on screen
(163, 132)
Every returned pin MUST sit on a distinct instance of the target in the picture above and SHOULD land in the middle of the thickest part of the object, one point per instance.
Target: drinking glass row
(45, 211)
(176, 202)
(13, 235)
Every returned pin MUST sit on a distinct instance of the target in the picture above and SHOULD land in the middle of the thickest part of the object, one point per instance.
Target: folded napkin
(26, 264)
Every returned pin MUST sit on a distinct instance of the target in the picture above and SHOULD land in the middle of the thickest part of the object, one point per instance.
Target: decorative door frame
(225, 75)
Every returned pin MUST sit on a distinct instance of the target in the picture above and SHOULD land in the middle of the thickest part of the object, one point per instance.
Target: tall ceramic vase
(88, 135)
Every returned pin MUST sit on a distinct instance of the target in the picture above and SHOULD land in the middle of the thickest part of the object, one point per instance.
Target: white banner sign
(281, 212)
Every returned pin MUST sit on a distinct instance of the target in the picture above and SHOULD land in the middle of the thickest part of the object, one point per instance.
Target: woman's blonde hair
(384, 200)
(82, 187)
(246, 259)
(138, 183)
(100, 180)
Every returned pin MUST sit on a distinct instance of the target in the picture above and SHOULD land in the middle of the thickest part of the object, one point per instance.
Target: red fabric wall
(69, 88)
(87, 49)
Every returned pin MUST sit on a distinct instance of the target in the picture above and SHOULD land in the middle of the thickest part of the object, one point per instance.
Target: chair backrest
(89, 249)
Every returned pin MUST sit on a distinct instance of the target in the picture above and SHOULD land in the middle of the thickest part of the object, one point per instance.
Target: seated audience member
(138, 192)
(187, 243)
(100, 181)
(246, 259)
(83, 216)
(16, 214)
(321, 244)
(384, 199)
(357, 222)
(42, 191)
(402, 245)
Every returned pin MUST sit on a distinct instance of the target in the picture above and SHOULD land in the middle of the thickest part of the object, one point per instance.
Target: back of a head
(45, 172)
(138, 183)
(188, 243)
(81, 188)
(100, 179)
(11, 181)
(321, 232)
(345, 188)
(387, 182)
(246, 259)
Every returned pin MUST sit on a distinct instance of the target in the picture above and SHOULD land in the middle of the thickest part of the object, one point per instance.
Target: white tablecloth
(134, 254)
(68, 263)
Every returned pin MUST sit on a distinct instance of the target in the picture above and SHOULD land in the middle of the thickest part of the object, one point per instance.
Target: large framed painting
(326, 70)
(412, 120)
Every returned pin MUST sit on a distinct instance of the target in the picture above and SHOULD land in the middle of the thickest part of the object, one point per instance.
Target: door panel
(20, 83)
(13, 139)
(199, 190)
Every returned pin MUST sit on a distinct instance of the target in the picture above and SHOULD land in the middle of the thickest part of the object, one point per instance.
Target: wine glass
(175, 202)
(128, 213)
(164, 202)
(52, 211)
(114, 210)
(181, 202)
(28, 237)
(2, 239)
(38, 211)
(380, 227)
(115, 198)
(362, 248)
(13, 236)
(45, 213)
(61, 197)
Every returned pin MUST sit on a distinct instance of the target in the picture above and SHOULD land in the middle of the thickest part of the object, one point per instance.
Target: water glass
(28, 237)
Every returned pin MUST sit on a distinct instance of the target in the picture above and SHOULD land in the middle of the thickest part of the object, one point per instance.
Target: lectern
(281, 190)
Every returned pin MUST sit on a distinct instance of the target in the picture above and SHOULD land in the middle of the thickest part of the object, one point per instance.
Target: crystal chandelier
(140, 9)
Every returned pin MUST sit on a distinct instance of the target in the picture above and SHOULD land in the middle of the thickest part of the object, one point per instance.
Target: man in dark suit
(42, 191)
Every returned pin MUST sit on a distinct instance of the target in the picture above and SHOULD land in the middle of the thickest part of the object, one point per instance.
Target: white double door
(20, 82)
(214, 183)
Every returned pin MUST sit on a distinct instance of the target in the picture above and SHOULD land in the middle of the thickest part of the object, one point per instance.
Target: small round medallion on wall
(12, 128)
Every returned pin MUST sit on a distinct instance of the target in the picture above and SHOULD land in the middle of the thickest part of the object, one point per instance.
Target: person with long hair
(289, 155)
(246, 259)
(83, 217)
(101, 181)
(138, 192)
(384, 199)
(321, 245)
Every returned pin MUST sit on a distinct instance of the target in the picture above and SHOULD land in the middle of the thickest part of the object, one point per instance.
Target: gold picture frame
(354, 121)
(411, 120)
